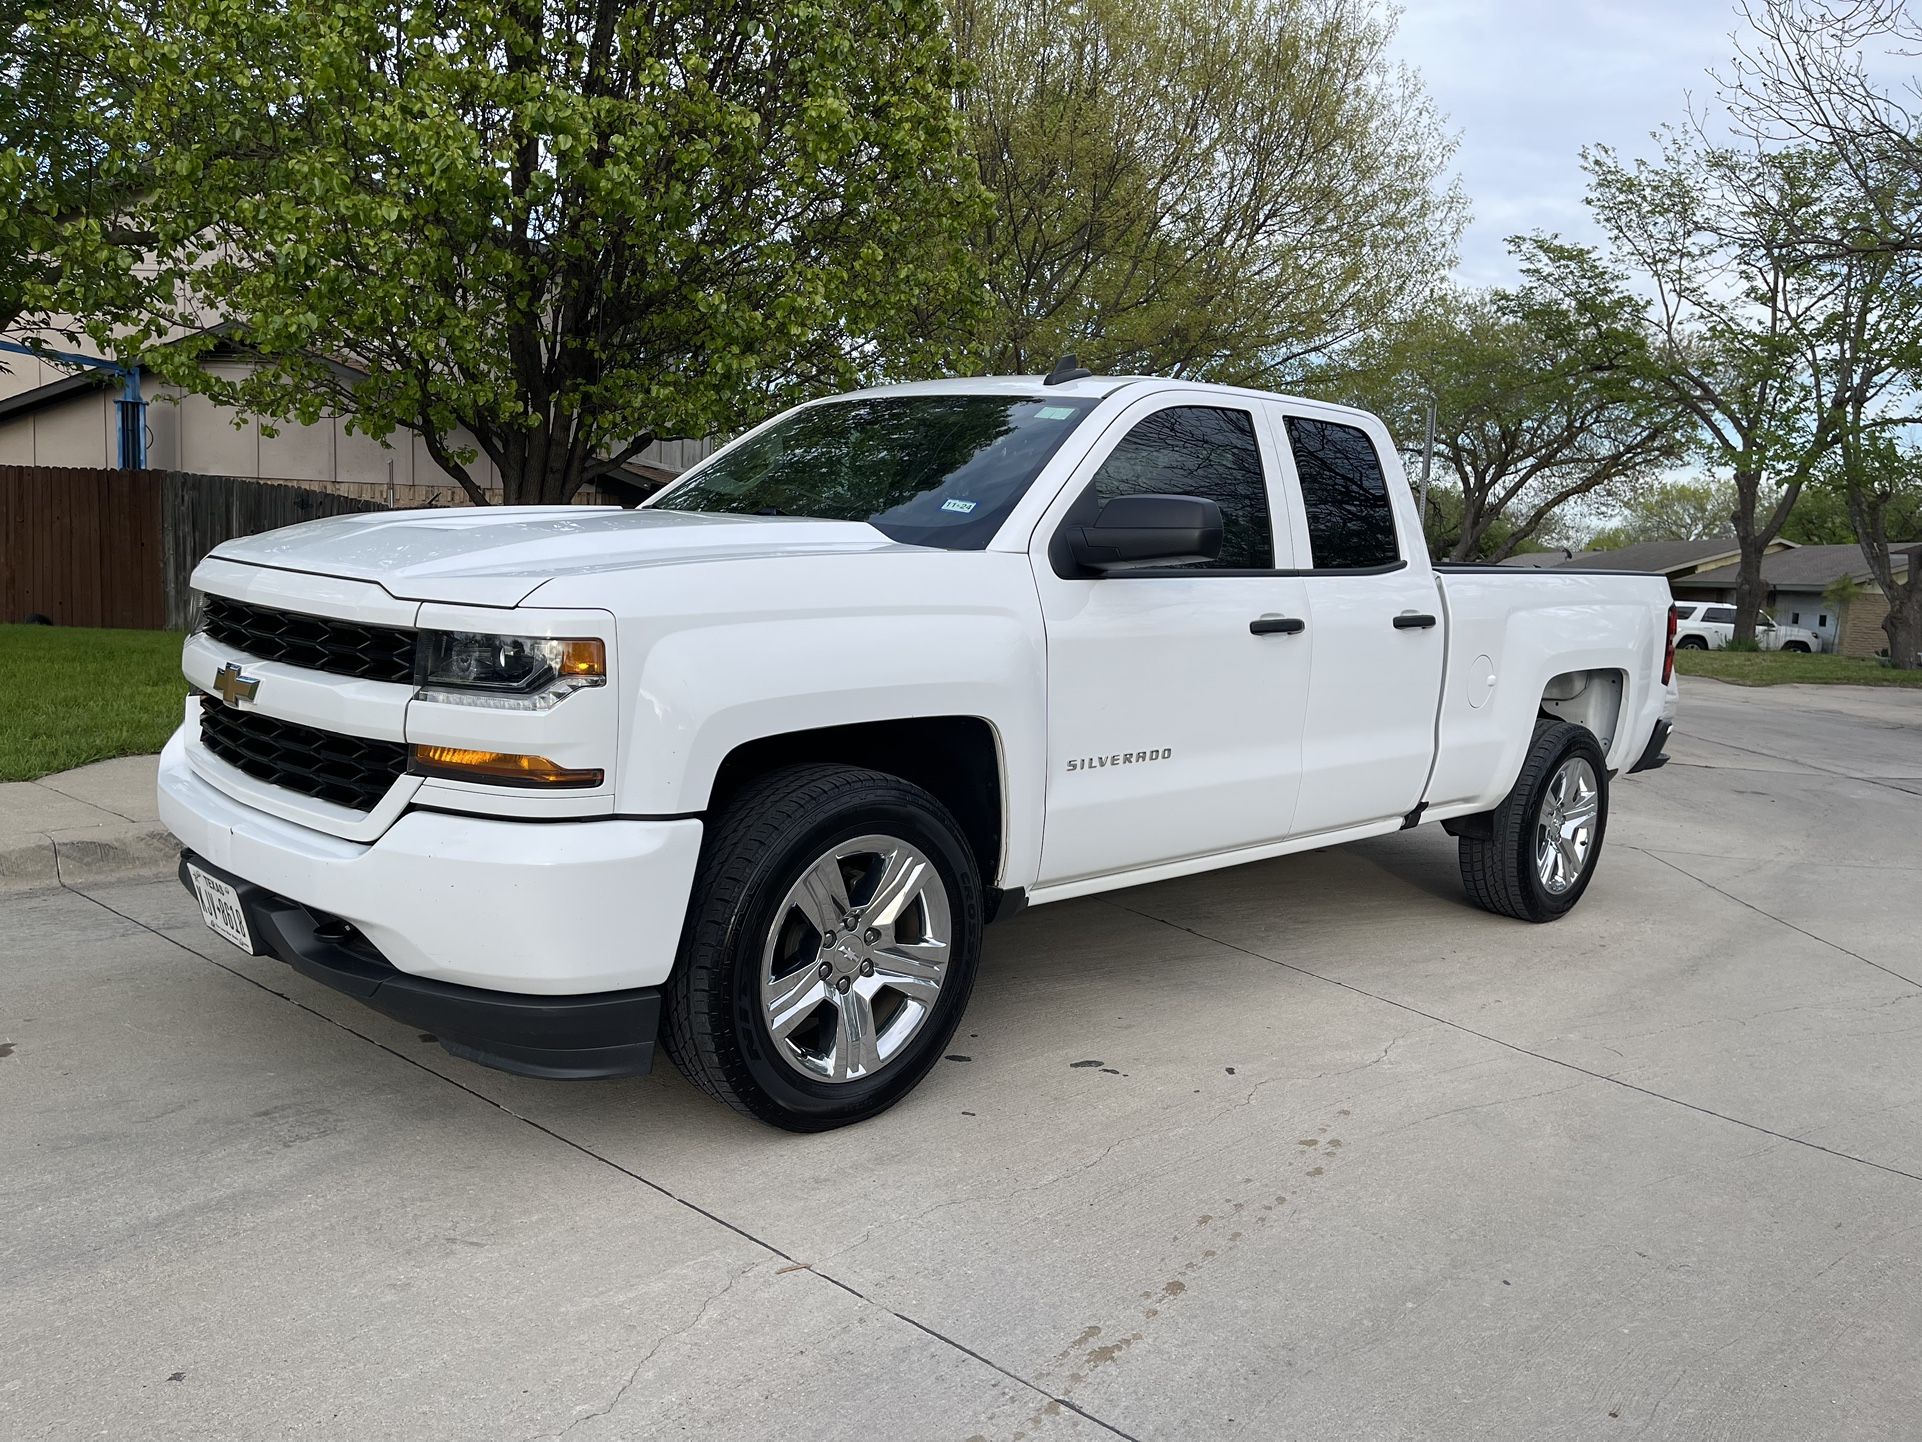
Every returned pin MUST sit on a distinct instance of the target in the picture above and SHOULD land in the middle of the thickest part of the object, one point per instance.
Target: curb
(138, 850)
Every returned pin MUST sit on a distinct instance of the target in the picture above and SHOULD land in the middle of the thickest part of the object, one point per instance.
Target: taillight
(1668, 652)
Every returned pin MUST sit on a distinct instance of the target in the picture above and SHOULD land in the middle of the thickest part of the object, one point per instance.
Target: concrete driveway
(1308, 1149)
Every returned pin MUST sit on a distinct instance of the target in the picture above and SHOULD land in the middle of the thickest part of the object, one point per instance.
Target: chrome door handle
(1277, 625)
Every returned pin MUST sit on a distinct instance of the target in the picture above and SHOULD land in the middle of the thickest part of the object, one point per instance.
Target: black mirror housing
(1135, 531)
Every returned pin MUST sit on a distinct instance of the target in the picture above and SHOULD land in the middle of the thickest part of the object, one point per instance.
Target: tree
(1821, 514)
(1805, 81)
(1541, 396)
(1751, 336)
(1215, 190)
(566, 227)
(68, 244)
(1671, 511)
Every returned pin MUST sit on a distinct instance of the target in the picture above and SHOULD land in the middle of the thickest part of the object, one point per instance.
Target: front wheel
(1532, 856)
(830, 947)
(1800, 648)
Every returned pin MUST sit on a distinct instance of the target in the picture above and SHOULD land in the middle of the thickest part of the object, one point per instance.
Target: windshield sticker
(1055, 413)
(962, 506)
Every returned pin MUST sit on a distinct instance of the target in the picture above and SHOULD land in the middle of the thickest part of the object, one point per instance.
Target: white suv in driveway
(1705, 627)
(747, 770)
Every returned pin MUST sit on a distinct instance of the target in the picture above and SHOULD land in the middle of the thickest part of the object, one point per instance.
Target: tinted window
(929, 470)
(1685, 613)
(1198, 451)
(1350, 523)
(1719, 614)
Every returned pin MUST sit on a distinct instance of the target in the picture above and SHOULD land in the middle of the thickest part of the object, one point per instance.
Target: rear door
(1369, 737)
(1176, 696)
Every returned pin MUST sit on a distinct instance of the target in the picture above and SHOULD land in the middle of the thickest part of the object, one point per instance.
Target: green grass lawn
(1776, 668)
(69, 695)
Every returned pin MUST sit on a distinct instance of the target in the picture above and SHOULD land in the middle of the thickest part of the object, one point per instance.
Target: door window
(1205, 451)
(1351, 524)
(1720, 615)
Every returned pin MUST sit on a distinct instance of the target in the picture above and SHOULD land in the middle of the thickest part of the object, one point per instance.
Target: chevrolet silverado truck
(745, 771)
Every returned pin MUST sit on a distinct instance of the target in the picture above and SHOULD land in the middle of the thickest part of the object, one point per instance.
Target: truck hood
(499, 555)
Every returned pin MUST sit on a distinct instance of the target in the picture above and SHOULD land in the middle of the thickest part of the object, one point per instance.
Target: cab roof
(1088, 388)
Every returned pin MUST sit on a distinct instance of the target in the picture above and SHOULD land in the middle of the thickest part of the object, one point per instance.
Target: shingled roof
(1806, 568)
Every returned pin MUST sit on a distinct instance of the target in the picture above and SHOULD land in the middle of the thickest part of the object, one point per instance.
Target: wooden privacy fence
(115, 548)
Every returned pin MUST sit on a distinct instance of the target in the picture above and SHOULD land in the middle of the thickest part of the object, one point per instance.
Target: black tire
(756, 847)
(1499, 870)
(1691, 643)
(1799, 647)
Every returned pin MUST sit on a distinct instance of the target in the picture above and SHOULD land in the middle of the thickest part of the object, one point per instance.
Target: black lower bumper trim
(1653, 758)
(600, 1034)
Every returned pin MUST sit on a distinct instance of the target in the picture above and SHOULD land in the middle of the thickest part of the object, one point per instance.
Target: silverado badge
(234, 687)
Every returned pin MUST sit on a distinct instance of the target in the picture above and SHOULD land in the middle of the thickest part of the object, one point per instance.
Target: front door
(1176, 696)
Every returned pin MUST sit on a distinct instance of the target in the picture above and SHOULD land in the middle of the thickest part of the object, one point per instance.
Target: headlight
(516, 673)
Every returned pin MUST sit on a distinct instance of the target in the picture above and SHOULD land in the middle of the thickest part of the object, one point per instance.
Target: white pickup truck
(748, 769)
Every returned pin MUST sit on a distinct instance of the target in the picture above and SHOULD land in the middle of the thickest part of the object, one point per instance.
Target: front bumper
(541, 908)
(576, 1037)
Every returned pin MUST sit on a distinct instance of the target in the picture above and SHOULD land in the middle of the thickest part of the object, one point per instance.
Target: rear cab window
(1344, 495)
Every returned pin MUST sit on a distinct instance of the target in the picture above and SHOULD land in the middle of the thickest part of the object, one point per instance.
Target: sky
(1525, 84)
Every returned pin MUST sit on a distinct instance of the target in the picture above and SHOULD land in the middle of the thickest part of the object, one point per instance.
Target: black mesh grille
(320, 643)
(348, 770)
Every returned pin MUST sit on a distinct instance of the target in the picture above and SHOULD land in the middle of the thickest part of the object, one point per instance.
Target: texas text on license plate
(220, 908)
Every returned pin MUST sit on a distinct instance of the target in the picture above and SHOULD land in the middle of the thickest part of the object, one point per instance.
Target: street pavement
(1308, 1149)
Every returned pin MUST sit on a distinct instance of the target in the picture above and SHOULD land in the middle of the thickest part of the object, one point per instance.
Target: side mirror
(1135, 531)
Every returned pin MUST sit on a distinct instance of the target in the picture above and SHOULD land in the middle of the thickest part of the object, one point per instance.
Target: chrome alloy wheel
(855, 957)
(1565, 826)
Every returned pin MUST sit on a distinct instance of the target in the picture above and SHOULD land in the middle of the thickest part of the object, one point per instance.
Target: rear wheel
(1542, 842)
(1691, 643)
(830, 947)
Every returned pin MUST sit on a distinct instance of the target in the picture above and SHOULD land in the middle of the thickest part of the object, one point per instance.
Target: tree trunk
(1749, 592)
(1750, 543)
(1903, 624)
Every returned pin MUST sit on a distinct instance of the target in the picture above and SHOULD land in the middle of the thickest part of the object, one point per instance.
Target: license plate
(220, 908)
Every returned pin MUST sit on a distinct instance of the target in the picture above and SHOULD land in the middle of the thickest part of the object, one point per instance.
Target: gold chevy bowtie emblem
(234, 687)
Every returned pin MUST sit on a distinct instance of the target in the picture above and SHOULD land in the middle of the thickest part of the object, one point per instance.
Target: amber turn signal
(503, 768)
(583, 658)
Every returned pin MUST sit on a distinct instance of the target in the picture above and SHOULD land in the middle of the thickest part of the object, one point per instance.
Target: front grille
(348, 770)
(320, 643)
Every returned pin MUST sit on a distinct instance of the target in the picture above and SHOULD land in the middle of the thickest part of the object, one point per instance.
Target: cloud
(1527, 83)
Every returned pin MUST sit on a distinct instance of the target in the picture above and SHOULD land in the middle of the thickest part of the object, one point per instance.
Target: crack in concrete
(606, 1161)
(648, 1356)
(1526, 1051)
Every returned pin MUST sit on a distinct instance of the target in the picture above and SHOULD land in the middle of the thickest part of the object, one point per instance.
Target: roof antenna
(1066, 369)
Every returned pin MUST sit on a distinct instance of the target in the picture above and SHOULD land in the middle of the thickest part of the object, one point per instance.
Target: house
(52, 415)
(1798, 581)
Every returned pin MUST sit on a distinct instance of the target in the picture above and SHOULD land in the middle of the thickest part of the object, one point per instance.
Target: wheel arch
(1592, 698)
(960, 760)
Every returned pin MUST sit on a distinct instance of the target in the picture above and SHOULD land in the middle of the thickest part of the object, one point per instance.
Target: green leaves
(1218, 189)
(535, 231)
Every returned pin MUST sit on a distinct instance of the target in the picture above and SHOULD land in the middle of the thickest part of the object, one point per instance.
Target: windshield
(929, 470)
